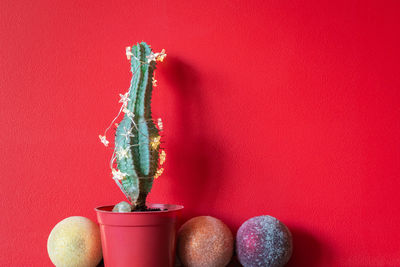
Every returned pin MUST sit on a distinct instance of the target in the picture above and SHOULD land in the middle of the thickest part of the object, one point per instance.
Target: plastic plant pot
(143, 239)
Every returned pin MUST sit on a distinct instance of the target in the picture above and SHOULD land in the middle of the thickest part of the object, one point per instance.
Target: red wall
(270, 107)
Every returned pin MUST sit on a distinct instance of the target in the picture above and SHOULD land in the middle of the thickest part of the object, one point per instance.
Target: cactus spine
(137, 139)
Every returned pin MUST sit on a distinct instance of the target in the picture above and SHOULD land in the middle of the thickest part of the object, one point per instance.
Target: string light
(117, 174)
(104, 140)
(124, 99)
(158, 173)
(163, 156)
(120, 152)
(160, 124)
(127, 133)
(160, 56)
(155, 142)
(128, 112)
(128, 52)
(151, 57)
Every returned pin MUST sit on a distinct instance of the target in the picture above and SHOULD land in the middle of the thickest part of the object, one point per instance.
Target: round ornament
(122, 206)
(205, 241)
(75, 241)
(264, 241)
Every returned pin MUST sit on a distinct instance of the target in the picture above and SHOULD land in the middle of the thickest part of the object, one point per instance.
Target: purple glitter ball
(264, 241)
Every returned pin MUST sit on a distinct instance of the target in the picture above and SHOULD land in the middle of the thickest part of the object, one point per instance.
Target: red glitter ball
(205, 241)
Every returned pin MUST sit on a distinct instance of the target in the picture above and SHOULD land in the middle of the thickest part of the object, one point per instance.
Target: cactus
(137, 139)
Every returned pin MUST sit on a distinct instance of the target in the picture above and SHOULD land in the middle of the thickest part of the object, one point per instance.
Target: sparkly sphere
(75, 241)
(122, 206)
(205, 241)
(264, 241)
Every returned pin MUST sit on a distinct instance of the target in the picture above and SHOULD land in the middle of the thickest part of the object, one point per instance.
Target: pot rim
(107, 209)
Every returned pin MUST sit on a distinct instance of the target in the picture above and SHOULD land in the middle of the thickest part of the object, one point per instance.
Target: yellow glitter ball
(75, 241)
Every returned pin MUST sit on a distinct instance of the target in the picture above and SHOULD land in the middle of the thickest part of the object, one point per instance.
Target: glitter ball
(122, 206)
(75, 241)
(205, 241)
(264, 241)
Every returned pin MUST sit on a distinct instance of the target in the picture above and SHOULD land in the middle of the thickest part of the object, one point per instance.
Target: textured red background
(284, 108)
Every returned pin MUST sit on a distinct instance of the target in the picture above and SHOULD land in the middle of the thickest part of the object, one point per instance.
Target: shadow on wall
(307, 249)
(199, 161)
(198, 158)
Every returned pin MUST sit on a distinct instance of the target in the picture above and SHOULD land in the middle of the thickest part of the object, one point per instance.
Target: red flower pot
(142, 239)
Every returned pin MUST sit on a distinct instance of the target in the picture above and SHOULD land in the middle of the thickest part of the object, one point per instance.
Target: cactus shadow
(198, 157)
(307, 249)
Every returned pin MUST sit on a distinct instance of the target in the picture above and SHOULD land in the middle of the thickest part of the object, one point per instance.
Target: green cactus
(137, 139)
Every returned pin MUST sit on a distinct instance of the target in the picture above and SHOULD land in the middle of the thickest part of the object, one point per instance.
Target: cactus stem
(136, 157)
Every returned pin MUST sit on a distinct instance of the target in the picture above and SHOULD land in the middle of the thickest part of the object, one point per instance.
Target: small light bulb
(160, 124)
(155, 142)
(163, 156)
(158, 173)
